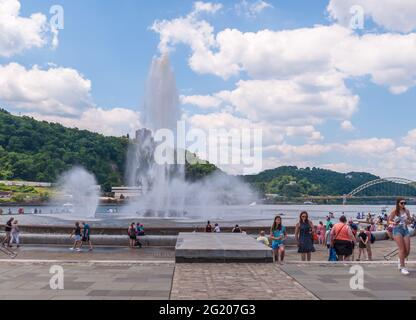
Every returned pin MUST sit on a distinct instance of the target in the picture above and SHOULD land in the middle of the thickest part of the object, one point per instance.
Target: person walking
(15, 234)
(400, 218)
(304, 234)
(76, 233)
(86, 235)
(132, 232)
(328, 223)
(328, 237)
(8, 230)
(278, 236)
(320, 231)
(342, 239)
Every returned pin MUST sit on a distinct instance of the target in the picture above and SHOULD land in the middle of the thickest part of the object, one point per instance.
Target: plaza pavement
(150, 273)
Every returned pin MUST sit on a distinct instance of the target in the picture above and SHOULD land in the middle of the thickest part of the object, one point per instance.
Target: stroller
(7, 251)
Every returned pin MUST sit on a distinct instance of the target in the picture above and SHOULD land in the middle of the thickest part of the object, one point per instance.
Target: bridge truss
(394, 180)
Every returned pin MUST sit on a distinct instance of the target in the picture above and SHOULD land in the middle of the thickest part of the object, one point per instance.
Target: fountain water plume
(78, 193)
(165, 192)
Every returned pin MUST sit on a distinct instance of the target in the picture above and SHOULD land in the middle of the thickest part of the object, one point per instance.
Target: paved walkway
(86, 281)
(235, 281)
(99, 253)
(332, 282)
(150, 273)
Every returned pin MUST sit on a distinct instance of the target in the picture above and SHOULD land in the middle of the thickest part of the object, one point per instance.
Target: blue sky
(324, 94)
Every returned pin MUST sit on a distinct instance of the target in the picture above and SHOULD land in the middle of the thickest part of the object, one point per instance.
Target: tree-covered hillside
(293, 181)
(40, 151)
(34, 150)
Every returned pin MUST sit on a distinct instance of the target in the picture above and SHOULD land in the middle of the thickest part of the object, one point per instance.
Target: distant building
(5, 194)
(26, 184)
(127, 192)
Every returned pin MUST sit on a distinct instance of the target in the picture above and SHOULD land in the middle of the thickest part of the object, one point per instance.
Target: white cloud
(306, 151)
(207, 7)
(388, 59)
(304, 131)
(53, 91)
(203, 102)
(190, 30)
(61, 95)
(252, 9)
(304, 99)
(410, 139)
(113, 122)
(395, 15)
(375, 147)
(20, 33)
(347, 126)
(340, 167)
(225, 121)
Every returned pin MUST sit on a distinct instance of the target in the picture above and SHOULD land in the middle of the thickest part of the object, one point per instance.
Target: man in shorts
(86, 235)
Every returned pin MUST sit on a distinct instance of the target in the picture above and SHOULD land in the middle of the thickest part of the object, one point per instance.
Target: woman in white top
(15, 233)
(400, 218)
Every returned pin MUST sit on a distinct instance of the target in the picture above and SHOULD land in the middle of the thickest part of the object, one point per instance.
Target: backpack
(372, 238)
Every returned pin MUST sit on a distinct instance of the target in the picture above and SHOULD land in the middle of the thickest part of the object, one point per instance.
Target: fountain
(165, 193)
(160, 111)
(77, 193)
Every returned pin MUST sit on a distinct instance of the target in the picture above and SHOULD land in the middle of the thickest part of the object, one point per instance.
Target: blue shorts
(276, 245)
(401, 231)
(77, 238)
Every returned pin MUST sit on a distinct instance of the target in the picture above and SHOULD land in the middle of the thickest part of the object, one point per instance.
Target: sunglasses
(403, 203)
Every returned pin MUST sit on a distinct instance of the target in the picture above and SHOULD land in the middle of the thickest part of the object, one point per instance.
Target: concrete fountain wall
(151, 240)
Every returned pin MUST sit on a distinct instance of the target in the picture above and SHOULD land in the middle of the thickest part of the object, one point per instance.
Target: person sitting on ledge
(208, 228)
(140, 229)
(217, 228)
(236, 229)
(263, 239)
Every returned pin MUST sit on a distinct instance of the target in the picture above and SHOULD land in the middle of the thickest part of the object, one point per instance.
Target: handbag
(314, 235)
(332, 255)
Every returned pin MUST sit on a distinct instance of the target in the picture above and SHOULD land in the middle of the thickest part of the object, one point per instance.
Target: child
(363, 240)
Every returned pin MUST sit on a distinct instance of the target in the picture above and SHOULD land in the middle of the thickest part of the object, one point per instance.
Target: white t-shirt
(328, 237)
(217, 229)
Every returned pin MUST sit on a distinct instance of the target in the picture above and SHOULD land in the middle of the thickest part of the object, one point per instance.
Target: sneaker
(79, 250)
(405, 272)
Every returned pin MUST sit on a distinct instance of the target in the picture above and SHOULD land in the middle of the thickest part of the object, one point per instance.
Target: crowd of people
(342, 239)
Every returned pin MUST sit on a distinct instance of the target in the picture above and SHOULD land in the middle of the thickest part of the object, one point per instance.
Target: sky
(330, 83)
